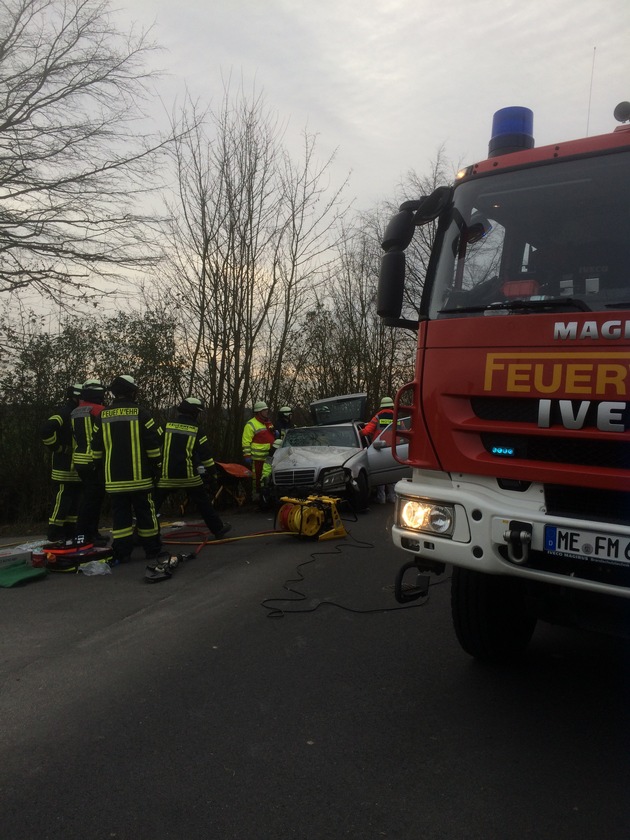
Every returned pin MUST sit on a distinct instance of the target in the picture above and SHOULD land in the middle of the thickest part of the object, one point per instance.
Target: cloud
(387, 84)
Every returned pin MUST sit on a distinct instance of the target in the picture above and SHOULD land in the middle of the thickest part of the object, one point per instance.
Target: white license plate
(587, 545)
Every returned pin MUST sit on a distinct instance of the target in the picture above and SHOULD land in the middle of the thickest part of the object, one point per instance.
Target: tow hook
(518, 538)
(405, 593)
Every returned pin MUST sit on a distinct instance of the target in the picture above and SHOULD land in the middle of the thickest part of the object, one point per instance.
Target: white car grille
(292, 478)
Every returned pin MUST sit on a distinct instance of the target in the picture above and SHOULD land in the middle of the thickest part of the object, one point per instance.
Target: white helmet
(260, 406)
(387, 402)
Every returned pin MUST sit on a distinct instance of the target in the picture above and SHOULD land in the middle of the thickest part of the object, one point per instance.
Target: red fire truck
(520, 428)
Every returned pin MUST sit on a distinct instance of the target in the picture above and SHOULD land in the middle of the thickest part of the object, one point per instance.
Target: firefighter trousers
(124, 506)
(91, 503)
(63, 516)
(198, 495)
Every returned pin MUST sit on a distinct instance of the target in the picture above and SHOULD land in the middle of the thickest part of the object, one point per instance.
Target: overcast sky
(387, 83)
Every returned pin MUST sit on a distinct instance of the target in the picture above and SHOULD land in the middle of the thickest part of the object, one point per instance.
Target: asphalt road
(273, 688)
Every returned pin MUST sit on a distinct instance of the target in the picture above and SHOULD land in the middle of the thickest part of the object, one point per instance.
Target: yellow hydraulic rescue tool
(315, 517)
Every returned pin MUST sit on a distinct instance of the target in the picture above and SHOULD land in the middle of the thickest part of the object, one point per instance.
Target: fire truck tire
(361, 495)
(490, 615)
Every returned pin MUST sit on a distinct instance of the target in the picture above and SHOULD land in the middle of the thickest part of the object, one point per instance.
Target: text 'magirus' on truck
(520, 427)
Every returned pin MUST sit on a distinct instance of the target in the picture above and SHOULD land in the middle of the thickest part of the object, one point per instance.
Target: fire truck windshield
(546, 237)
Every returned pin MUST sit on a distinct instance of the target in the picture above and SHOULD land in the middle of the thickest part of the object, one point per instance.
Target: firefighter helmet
(260, 406)
(286, 409)
(93, 391)
(386, 402)
(92, 385)
(124, 386)
(191, 405)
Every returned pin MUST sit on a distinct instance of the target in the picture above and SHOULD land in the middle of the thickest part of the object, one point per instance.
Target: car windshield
(322, 436)
(547, 238)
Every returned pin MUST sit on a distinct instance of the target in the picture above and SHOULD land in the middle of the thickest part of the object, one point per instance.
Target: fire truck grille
(557, 450)
(505, 410)
(588, 503)
(292, 478)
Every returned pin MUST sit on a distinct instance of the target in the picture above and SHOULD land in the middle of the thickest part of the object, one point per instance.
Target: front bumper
(483, 515)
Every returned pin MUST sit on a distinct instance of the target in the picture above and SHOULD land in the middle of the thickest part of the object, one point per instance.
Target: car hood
(293, 457)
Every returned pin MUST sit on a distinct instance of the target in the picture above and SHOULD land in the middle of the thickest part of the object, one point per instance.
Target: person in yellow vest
(258, 437)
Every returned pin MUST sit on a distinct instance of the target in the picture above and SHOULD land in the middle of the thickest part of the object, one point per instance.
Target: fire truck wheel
(490, 615)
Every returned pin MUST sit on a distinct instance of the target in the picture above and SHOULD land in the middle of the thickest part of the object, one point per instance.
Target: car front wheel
(360, 493)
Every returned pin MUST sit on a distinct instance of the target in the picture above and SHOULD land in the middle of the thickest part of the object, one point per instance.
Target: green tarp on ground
(19, 573)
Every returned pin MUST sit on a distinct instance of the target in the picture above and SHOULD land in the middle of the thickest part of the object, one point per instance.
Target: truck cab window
(543, 233)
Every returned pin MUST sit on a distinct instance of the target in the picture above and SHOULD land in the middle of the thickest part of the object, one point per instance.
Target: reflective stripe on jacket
(82, 430)
(185, 448)
(380, 421)
(56, 434)
(258, 436)
(128, 441)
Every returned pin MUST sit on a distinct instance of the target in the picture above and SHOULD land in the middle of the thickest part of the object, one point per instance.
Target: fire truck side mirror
(391, 282)
(391, 285)
(399, 232)
(433, 205)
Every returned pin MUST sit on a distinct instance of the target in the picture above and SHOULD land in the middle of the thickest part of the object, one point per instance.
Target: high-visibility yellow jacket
(129, 443)
(258, 435)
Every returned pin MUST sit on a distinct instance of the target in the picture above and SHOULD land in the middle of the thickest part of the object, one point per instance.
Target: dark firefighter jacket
(83, 418)
(129, 443)
(185, 448)
(57, 437)
(380, 421)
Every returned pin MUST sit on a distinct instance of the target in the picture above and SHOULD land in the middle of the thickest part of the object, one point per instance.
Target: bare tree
(249, 235)
(345, 347)
(73, 157)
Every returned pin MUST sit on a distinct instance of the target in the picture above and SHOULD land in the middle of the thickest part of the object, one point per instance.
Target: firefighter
(128, 442)
(56, 434)
(258, 436)
(383, 418)
(285, 420)
(90, 472)
(187, 457)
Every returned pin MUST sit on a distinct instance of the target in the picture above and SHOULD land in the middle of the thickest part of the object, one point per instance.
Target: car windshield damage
(547, 238)
(345, 436)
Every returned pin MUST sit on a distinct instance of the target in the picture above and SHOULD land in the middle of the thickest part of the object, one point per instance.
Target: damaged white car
(336, 460)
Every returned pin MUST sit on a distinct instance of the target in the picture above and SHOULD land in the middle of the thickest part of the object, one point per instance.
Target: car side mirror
(379, 444)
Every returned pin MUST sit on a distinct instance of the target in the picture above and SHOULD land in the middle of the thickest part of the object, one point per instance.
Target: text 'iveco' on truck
(520, 404)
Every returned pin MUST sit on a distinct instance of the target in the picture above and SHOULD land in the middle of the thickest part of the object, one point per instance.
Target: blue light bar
(512, 131)
(503, 451)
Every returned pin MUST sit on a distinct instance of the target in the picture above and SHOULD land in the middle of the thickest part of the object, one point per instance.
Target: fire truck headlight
(427, 516)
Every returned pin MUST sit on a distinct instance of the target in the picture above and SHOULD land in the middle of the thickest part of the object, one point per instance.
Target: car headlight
(333, 478)
(422, 515)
